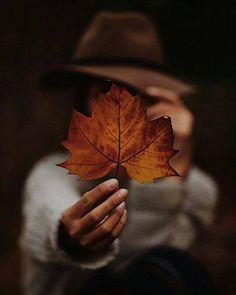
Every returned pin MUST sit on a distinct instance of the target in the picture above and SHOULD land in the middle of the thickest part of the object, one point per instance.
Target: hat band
(134, 62)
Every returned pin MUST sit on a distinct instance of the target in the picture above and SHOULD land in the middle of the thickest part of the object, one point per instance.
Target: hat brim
(140, 78)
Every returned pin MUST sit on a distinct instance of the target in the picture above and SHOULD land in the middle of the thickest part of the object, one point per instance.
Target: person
(76, 236)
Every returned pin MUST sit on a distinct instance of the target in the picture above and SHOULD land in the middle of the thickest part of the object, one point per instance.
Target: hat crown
(117, 36)
(123, 47)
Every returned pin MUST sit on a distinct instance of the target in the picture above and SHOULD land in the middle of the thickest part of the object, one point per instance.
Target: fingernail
(122, 193)
(112, 183)
(166, 117)
(121, 206)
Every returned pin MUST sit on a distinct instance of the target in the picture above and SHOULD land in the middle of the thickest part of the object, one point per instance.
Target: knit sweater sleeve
(173, 213)
(48, 192)
(202, 197)
(199, 193)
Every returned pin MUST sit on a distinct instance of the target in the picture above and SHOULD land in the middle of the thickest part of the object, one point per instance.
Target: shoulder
(49, 162)
(200, 180)
(202, 188)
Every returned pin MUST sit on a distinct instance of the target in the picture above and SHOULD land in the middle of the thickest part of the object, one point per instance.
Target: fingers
(112, 236)
(101, 211)
(182, 119)
(94, 197)
(164, 95)
(103, 229)
(160, 109)
(117, 230)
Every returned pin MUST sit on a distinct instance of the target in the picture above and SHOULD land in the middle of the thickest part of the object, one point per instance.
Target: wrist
(69, 245)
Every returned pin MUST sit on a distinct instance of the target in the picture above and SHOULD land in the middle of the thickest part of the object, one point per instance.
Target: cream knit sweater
(158, 214)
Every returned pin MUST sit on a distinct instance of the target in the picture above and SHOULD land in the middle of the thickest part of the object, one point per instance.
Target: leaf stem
(119, 137)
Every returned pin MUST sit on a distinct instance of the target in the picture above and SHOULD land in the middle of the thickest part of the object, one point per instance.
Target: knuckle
(73, 229)
(101, 188)
(85, 201)
(76, 228)
(113, 201)
(120, 212)
(67, 217)
(93, 217)
(105, 229)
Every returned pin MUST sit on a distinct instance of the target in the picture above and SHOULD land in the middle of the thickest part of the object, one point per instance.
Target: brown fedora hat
(123, 47)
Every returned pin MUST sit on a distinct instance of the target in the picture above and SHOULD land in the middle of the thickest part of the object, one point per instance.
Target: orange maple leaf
(119, 134)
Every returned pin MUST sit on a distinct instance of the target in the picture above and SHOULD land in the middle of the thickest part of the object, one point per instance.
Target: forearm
(46, 197)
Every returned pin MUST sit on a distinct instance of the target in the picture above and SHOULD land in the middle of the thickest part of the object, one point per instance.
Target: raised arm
(53, 206)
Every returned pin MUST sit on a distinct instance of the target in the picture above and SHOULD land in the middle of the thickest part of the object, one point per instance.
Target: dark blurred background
(199, 41)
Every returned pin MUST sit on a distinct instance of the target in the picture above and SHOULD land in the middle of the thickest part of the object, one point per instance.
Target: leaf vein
(158, 135)
(107, 157)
